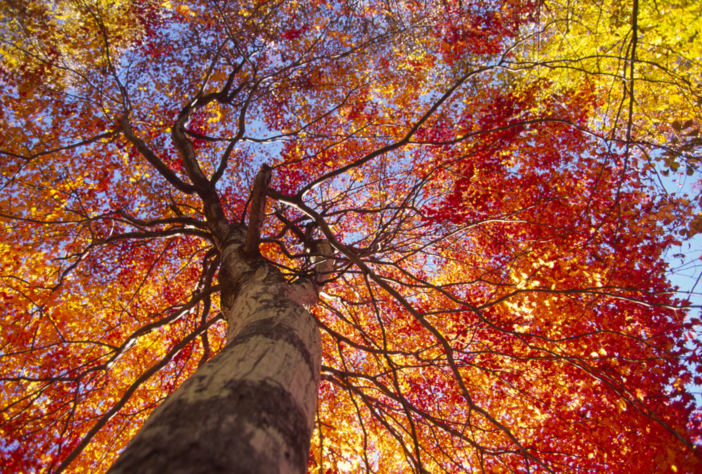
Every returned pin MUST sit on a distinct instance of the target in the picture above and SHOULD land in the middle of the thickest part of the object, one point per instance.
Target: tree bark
(251, 408)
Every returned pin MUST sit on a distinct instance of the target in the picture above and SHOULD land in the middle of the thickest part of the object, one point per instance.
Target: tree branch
(258, 210)
(154, 160)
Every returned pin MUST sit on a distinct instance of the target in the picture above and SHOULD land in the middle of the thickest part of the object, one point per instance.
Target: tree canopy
(488, 174)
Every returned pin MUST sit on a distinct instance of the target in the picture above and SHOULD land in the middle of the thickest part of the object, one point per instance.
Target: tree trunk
(251, 408)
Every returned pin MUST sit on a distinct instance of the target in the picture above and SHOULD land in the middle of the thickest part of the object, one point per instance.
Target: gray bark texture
(251, 408)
